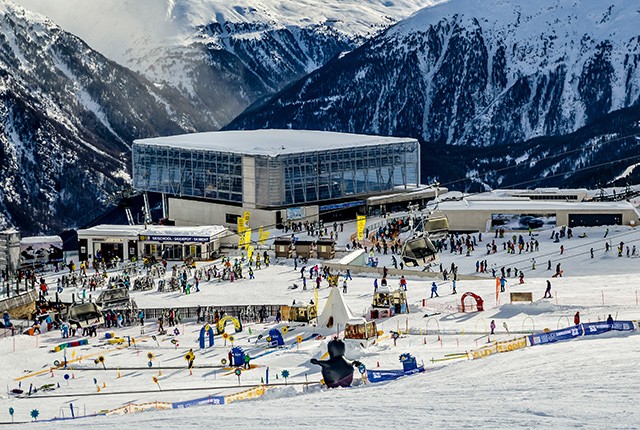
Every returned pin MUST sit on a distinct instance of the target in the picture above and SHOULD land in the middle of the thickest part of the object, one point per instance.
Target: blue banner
(342, 205)
(390, 375)
(211, 400)
(556, 335)
(603, 327)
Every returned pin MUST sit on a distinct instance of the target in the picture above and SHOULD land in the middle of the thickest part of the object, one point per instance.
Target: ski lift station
(513, 210)
(278, 175)
(125, 242)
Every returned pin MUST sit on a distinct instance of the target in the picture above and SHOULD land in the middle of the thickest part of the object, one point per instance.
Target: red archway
(479, 301)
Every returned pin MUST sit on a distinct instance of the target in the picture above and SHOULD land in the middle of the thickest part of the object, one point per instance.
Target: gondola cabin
(436, 226)
(301, 312)
(419, 251)
(360, 331)
(388, 302)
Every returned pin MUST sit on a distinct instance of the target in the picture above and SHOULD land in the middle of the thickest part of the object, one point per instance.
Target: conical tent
(335, 311)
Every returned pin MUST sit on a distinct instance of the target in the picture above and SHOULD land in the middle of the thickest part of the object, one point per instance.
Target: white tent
(335, 312)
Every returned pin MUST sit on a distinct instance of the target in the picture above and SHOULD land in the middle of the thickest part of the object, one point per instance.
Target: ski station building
(277, 175)
(134, 241)
(539, 208)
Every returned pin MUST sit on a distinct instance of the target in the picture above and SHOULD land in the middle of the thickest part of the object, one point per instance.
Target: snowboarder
(609, 319)
(576, 318)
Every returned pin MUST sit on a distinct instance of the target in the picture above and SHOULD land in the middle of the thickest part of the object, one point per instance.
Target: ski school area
(427, 347)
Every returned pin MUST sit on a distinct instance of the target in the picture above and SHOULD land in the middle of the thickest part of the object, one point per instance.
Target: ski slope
(588, 382)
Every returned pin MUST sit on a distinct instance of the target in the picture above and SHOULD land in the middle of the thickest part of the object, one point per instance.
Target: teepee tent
(335, 312)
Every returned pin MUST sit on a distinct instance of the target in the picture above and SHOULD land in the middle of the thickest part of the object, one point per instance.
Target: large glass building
(275, 168)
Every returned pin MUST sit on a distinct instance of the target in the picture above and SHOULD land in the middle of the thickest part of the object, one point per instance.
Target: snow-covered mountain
(67, 118)
(224, 55)
(474, 72)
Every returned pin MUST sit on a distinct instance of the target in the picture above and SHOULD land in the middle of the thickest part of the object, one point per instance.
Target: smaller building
(488, 211)
(9, 251)
(126, 242)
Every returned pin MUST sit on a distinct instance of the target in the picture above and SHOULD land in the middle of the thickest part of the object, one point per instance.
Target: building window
(231, 218)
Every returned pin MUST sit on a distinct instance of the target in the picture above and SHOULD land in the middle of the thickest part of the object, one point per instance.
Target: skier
(492, 326)
(609, 319)
(344, 286)
(434, 289)
(547, 292)
(576, 318)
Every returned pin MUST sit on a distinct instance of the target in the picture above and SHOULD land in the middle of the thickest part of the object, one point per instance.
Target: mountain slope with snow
(67, 118)
(470, 72)
(224, 55)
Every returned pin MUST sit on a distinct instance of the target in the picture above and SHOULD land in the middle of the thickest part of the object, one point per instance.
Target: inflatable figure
(336, 371)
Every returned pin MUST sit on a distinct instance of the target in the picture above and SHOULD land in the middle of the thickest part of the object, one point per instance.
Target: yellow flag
(240, 225)
(250, 250)
(361, 222)
(262, 238)
(247, 238)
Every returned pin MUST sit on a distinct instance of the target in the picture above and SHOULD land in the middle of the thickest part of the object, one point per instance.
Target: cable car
(419, 251)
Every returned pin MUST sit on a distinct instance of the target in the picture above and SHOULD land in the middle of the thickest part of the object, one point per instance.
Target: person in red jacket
(576, 318)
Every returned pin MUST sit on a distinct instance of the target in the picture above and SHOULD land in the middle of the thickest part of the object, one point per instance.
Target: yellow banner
(246, 219)
(361, 222)
(250, 250)
(245, 395)
(240, 225)
(484, 351)
(247, 238)
(512, 345)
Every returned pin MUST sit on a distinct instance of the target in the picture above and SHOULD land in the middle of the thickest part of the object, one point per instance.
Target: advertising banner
(523, 221)
(556, 335)
(210, 400)
(247, 238)
(511, 345)
(246, 217)
(361, 222)
(295, 214)
(603, 327)
(251, 393)
(383, 375)
(40, 250)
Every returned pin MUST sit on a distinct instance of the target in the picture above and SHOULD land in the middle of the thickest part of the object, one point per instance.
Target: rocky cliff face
(475, 73)
(67, 118)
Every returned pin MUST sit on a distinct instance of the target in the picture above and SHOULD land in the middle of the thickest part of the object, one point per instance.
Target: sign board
(521, 297)
(173, 238)
(295, 213)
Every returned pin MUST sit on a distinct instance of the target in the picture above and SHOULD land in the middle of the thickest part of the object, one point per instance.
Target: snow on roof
(152, 230)
(40, 239)
(524, 205)
(270, 142)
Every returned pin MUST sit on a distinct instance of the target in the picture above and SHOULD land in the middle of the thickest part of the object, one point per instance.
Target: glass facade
(188, 172)
(318, 176)
(282, 179)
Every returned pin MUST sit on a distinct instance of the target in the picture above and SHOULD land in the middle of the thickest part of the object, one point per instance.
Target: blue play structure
(237, 356)
(276, 338)
(204, 331)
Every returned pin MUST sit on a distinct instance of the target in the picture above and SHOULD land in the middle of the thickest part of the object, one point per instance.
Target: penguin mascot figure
(336, 371)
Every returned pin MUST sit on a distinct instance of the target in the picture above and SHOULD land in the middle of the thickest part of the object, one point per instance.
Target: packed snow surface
(589, 382)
